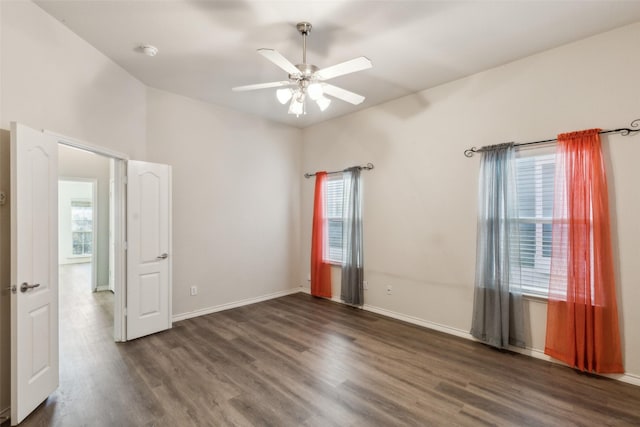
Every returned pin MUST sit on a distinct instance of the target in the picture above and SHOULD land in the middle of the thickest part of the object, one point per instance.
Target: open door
(34, 269)
(148, 248)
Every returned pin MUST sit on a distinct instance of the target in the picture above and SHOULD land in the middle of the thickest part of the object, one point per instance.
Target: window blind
(334, 193)
(535, 185)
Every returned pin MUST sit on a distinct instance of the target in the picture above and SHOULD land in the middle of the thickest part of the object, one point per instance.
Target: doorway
(83, 239)
(91, 232)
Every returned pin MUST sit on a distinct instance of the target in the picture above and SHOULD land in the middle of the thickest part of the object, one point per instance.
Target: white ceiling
(207, 47)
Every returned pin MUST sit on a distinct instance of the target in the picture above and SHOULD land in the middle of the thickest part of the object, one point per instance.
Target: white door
(34, 269)
(149, 248)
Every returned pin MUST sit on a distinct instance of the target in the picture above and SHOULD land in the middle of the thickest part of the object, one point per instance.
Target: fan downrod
(304, 28)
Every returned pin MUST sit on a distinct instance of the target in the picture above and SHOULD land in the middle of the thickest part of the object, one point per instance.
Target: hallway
(85, 316)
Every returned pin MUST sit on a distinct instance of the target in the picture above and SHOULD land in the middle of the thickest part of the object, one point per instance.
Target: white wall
(236, 199)
(74, 163)
(420, 200)
(52, 79)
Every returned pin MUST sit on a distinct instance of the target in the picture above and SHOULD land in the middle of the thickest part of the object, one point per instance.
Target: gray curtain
(497, 307)
(352, 258)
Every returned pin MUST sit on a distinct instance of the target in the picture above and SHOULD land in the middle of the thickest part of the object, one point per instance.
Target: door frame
(119, 232)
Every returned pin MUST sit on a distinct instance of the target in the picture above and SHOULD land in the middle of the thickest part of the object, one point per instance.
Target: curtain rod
(367, 167)
(634, 127)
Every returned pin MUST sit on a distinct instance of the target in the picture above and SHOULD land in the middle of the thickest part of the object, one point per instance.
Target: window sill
(333, 263)
(536, 297)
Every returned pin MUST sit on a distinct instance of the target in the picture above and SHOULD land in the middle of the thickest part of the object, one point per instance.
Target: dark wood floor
(298, 361)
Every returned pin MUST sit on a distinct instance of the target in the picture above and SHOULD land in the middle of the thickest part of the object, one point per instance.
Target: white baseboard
(229, 305)
(531, 352)
(625, 378)
(420, 322)
(5, 414)
(539, 354)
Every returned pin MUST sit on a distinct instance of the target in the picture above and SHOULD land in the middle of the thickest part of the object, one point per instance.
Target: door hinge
(125, 180)
(125, 312)
(126, 246)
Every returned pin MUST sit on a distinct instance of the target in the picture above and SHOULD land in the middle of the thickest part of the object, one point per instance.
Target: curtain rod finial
(634, 127)
(469, 152)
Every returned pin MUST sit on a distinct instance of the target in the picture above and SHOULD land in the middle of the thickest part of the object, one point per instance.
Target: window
(535, 181)
(81, 228)
(334, 192)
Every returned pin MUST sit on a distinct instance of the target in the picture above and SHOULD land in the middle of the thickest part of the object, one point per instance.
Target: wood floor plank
(303, 361)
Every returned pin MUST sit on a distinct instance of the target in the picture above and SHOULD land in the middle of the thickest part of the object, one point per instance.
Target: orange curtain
(582, 315)
(320, 271)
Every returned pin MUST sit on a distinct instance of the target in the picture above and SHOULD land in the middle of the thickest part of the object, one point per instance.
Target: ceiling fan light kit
(297, 106)
(323, 102)
(307, 80)
(284, 95)
(314, 90)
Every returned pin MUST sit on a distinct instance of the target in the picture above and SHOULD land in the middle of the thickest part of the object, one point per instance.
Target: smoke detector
(149, 50)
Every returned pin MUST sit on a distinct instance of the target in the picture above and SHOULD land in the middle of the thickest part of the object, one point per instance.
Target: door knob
(163, 256)
(25, 286)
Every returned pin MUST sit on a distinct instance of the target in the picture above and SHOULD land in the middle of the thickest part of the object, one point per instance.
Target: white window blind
(334, 192)
(535, 183)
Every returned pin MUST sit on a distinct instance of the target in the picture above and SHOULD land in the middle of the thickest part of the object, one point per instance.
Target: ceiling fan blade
(351, 66)
(282, 62)
(343, 94)
(260, 86)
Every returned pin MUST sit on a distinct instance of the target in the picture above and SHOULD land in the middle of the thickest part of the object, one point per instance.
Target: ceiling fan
(307, 80)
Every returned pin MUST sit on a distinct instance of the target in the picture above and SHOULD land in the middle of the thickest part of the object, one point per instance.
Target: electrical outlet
(389, 289)
(365, 285)
(194, 290)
